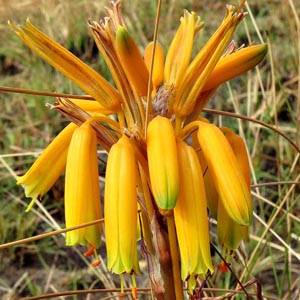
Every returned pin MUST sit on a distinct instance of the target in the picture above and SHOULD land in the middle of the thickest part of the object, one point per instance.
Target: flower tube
(120, 208)
(190, 215)
(163, 163)
(82, 190)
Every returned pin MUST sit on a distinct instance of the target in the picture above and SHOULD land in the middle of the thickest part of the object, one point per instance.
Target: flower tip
(123, 36)
(132, 61)
(28, 208)
(19, 180)
(13, 26)
(166, 212)
(264, 49)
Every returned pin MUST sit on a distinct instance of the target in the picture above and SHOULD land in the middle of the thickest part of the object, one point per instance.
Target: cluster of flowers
(166, 166)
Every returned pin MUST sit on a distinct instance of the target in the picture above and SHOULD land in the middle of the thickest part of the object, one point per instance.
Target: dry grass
(270, 94)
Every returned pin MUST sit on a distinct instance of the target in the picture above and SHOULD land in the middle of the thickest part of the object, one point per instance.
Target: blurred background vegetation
(270, 93)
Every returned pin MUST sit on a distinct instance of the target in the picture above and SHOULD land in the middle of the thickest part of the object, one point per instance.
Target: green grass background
(270, 93)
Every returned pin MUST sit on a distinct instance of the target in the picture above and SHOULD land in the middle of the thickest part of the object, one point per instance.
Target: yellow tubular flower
(163, 164)
(158, 65)
(235, 64)
(120, 208)
(48, 167)
(132, 61)
(180, 50)
(82, 191)
(230, 234)
(69, 65)
(190, 215)
(230, 182)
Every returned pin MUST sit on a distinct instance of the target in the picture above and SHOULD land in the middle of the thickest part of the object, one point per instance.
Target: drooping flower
(230, 182)
(82, 190)
(163, 162)
(120, 208)
(191, 215)
(42, 175)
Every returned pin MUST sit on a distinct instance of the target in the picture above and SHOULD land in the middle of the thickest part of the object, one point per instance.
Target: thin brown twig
(234, 275)
(274, 183)
(228, 292)
(234, 115)
(48, 234)
(81, 292)
(43, 93)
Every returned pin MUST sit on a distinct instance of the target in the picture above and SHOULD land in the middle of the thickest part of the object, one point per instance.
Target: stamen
(133, 290)
(122, 294)
(97, 261)
(90, 251)
(223, 266)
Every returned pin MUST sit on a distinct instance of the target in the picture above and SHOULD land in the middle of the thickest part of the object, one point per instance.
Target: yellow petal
(235, 64)
(229, 180)
(190, 215)
(91, 106)
(210, 188)
(180, 50)
(69, 65)
(42, 175)
(82, 190)
(158, 64)
(163, 164)
(132, 61)
(120, 208)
